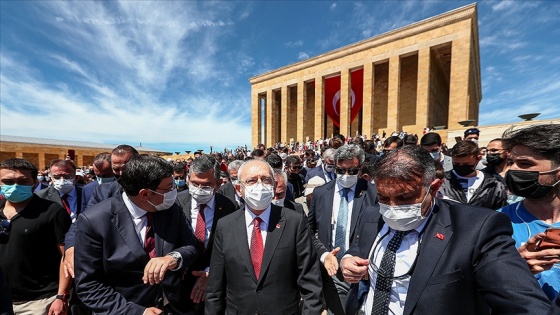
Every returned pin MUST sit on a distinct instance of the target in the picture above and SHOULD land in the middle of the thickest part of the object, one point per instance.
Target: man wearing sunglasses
(416, 254)
(334, 212)
(31, 242)
(295, 178)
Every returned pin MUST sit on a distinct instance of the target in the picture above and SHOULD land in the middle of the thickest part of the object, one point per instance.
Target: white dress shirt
(250, 217)
(405, 257)
(138, 216)
(208, 216)
(336, 204)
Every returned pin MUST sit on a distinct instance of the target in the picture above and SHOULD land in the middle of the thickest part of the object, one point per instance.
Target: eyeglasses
(200, 186)
(350, 171)
(296, 167)
(254, 181)
(65, 176)
(5, 227)
(179, 177)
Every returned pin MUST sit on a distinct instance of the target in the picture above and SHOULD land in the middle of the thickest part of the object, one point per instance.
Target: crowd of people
(394, 224)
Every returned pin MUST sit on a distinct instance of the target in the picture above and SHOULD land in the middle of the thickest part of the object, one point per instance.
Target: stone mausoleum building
(426, 74)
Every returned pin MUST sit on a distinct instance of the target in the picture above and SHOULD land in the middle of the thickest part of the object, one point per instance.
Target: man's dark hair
(407, 165)
(393, 139)
(62, 163)
(257, 153)
(471, 131)
(368, 168)
(464, 148)
(543, 140)
(309, 153)
(124, 149)
(369, 145)
(101, 158)
(204, 164)
(179, 168)
(431, 138)
(292, 159)
(410, 140)
(505, 144)
(144, 172)
(20, 165)
(340, 137)
(274, 160)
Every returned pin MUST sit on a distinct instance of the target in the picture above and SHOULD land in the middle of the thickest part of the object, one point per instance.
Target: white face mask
(63, 185)
(329, 168)
(404, 217)
(259, 196)
(435, 155)
(278, 202)
(201, 195)
(168, 200)
(40, 178)
(475, 141)
(347, 181)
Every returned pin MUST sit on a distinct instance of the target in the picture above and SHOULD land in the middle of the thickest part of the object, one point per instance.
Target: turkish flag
(332, 96)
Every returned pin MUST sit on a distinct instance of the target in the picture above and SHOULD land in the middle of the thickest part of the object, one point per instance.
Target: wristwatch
(64, 297)
(176, 256)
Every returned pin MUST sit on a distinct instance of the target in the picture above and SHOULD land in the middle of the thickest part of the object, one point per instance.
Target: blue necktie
(341, 223)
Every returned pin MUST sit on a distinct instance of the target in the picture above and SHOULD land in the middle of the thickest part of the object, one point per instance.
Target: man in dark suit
(228, 189)
(64, 190)
(103, 173)
(133, 249)
(280, 190)
(326, 169)
(415, 254)
(204, 180)
(263, 261)
(333, 216)
(119, 158)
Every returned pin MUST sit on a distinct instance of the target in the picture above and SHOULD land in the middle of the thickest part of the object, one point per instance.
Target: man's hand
(69, 262)
(354, 268)
(331, 263)
(152, 311)
(538, 260)
(58, 307)
(199, 288)
(156, 268)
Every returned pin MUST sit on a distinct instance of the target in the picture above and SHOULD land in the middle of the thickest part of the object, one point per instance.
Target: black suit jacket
(50, 193)
(109, 259)
(290, 268)
(319, 217)
(223, 206)
(470, 267)
(316, 171)
(229, 191)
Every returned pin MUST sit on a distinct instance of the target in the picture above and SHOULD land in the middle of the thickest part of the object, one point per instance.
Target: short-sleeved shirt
(30, 257)
(526, 225)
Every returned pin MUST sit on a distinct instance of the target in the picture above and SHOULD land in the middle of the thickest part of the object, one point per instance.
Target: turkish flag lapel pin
(278, 225)
(440, 236)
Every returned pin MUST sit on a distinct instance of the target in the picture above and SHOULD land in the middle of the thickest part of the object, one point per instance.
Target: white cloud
(294, 44)
(303, 55)
(333, 6)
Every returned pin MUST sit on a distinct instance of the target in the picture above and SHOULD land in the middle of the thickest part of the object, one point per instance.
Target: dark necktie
(385, 275)
(257, 248)
(65, 203)
(341, 224)
(200, 230)
(150, 240)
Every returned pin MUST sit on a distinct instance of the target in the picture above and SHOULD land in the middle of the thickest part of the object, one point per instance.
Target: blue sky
(173, 75)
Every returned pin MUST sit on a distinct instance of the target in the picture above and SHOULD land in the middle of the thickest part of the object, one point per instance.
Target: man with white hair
(326, 169)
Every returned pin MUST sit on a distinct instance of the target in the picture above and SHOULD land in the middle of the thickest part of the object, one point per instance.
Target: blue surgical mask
(180, 182)
(17, 193)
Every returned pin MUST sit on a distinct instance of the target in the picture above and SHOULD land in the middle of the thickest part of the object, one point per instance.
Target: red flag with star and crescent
(332, 96)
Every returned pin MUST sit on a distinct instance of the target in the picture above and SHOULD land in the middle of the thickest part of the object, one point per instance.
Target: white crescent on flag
(336, 98)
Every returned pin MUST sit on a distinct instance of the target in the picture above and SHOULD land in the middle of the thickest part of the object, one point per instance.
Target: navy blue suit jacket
(467, 264)
(87, 192)
(109, 259)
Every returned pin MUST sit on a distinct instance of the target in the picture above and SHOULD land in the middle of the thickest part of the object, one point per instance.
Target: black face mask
(463, 170)
(494, 159)
(526, 183)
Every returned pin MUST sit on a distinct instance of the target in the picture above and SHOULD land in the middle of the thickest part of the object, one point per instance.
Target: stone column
(423, 88)
(345, 102)
(300, 112)
(255, 119)
(459, 79)
(271, 119)
(285, 104)
(319, 109)
(393, 97)
(367, 112)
